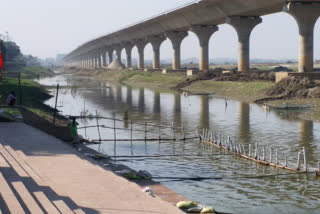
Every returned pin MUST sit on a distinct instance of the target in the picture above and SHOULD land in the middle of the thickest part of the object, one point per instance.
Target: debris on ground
(291, 87)
(281, 69)
(220, 74)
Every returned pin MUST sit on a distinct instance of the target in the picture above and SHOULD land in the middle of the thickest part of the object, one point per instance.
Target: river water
(238, 188)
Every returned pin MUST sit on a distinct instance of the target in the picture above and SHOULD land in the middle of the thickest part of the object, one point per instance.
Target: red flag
(0, 60)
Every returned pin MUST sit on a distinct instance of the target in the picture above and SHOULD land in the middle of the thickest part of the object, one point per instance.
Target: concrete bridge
(203, 18)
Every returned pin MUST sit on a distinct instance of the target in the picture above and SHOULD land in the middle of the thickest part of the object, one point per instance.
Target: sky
(44, 28)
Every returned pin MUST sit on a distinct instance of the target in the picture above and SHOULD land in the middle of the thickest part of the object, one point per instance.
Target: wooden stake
(264, 153)
(55, 105)
(277, 161)
(98, 126)
(298, 161)
(131, 130)
(160, 134)
(286, 161)
(249, 150)
(174, 134)
(114, 128)
(305, 160)
(270, 155)
(183, 133)
(145, 130)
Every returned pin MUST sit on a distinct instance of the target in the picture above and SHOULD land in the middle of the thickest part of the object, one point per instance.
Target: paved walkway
(43, 174)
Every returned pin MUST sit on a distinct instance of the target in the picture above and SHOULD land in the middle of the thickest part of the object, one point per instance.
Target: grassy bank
(31, 72)
(31, 95)
(244, 91)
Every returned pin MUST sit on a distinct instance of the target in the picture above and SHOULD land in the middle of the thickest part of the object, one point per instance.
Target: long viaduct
(202, 17)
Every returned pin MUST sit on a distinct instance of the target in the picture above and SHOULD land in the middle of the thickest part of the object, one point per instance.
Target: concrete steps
(23, 190)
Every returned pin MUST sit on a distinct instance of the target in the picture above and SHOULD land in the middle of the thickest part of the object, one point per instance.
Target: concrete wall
(282, 75)
(30, 118)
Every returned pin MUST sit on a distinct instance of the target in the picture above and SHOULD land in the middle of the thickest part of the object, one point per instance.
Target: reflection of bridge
(201, 17)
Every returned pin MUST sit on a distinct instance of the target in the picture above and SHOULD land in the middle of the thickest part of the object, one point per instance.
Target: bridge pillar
(306, 15)
(99, 60)
(204, 32)
(110, 56)
(104, 58)
(244, 27)
(92, 62)
(176, 38)
(141, 44)
(118, 49)
(128, 47)
(156, 42)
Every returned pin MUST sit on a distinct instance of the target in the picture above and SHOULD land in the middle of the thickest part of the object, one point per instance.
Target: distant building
(59, 58)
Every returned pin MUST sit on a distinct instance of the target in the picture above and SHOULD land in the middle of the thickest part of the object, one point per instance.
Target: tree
(3, 50)
(12, 50)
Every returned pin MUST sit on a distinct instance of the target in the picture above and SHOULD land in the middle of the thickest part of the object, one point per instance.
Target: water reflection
(244, 122)
(177, 109)
(291, 194)
(156, 102)
(204, 112)
(129, 96)
(141, 105)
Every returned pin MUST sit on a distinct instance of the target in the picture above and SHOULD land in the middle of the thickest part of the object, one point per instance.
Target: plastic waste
(186, 204)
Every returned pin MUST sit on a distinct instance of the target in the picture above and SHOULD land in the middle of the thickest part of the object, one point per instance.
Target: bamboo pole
(305, 160)
(298, 161)
(256, 160)
(145, 130)
(131, 131)
(174, 133)
(183, 133)
(98, 126)
(55, 105)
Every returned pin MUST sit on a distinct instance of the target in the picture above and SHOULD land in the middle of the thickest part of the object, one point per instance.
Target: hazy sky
(44, 28)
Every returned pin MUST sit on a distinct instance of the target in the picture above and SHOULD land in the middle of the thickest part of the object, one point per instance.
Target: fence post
(174, 134)
(98, 126)
(114, 128)
(183, 133)
(55, 106)
(131, 131)
(304, 159)
(298, 161)
(145, 130)
(159, 134)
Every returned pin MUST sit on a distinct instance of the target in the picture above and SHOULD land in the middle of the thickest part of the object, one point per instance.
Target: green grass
(31, 72)
(32, 96)
(246, 91)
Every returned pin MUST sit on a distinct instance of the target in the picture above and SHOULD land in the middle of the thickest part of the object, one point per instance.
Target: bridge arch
(276, 38)
(223, 46)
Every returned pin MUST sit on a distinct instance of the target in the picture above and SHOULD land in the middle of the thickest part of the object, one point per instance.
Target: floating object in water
(186, 204)
(288, 106)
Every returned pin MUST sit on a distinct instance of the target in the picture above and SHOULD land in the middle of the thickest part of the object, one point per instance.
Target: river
(234, 191)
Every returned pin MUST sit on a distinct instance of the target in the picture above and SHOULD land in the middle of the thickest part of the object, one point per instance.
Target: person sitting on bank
(11, 99)
(74, 130)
